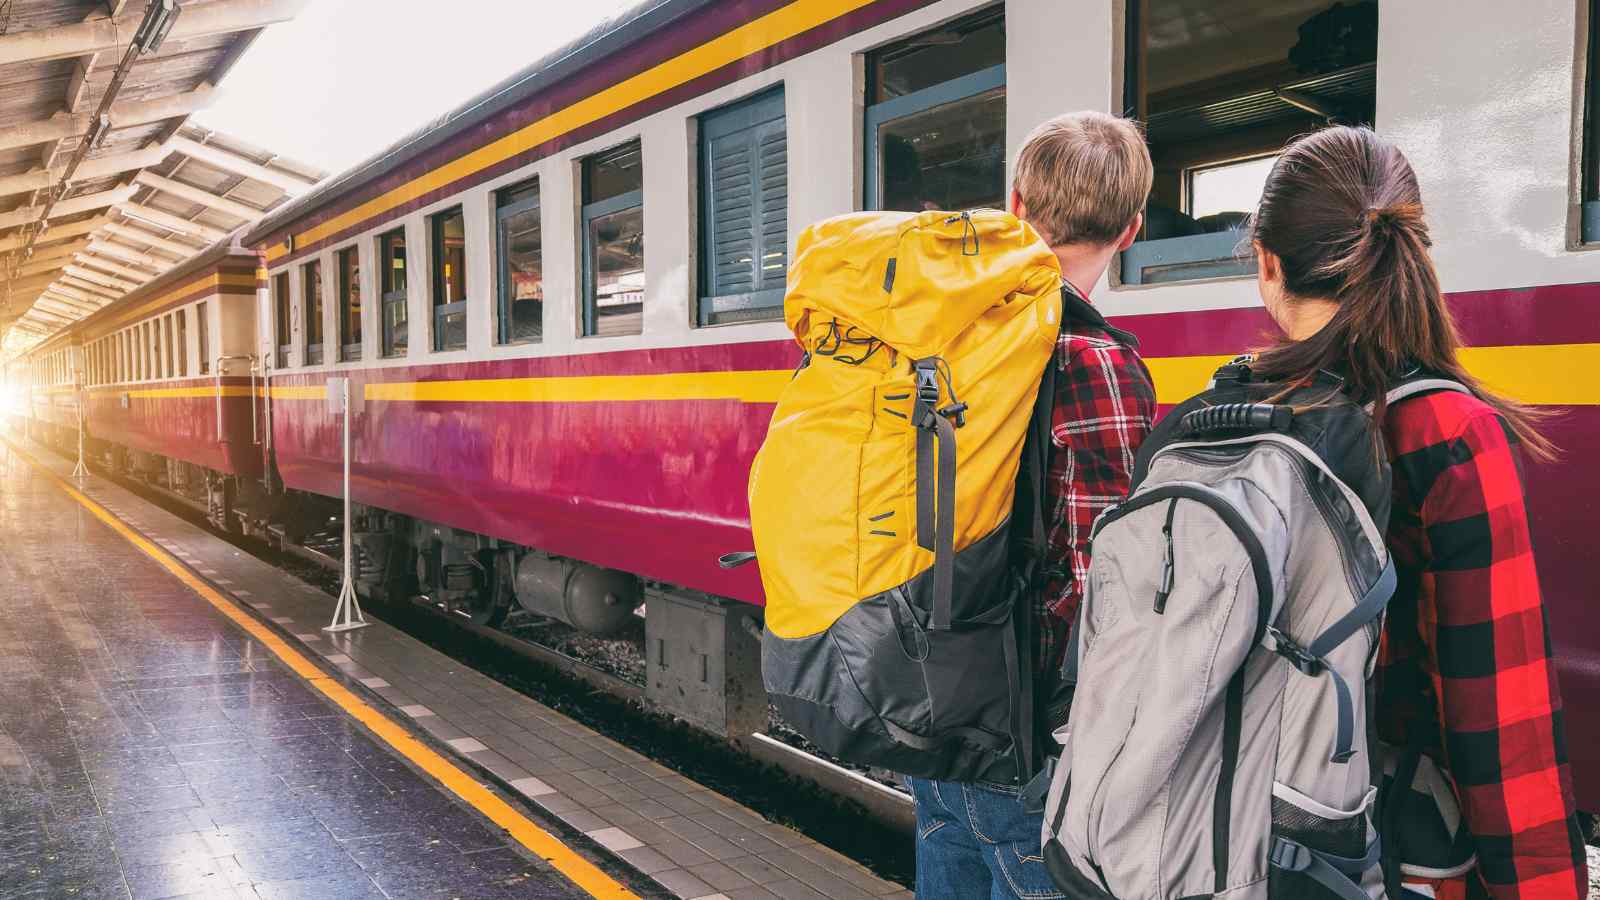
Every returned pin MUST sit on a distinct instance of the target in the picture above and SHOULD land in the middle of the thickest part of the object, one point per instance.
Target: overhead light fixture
(159, 17)
(151, 222)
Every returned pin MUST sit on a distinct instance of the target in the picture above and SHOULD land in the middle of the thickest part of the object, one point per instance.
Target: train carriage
(172, 387)
(53, 395)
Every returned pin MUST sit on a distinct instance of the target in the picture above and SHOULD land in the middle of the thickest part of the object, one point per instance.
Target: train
(559, 305)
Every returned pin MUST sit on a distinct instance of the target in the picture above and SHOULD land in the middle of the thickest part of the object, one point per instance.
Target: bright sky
(349, 77)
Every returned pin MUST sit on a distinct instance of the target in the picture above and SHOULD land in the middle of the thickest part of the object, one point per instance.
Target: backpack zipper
(1168, 576)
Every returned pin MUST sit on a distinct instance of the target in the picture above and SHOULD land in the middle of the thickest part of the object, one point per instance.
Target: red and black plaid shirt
(1104, 408)
(1466, 645)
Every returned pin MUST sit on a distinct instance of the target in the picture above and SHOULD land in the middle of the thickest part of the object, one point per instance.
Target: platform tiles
(150, 747)
(691, 842)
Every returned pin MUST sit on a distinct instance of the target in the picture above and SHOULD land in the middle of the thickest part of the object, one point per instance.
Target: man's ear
(1017, 207)
(1131, 233)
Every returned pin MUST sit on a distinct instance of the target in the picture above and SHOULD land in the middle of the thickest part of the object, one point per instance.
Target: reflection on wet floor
(149, 748)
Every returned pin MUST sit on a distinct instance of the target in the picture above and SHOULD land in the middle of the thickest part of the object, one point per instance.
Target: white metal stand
(347, 613)
(80, 471)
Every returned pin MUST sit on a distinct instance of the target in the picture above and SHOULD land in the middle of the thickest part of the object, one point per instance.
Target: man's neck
(1083, 264)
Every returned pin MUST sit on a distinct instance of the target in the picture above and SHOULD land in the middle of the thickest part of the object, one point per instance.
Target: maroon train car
(172, 390)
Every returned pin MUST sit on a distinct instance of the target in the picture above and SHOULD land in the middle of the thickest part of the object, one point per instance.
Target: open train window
(202, 331)
(744, 210)
(1219, 94)
(349, 263)
(936, 118)
(519, 306)
(281, 319)
(311, 291)
(613, 242)
(448, 231)
(1591, 132)
(392, 291)
(149, 350)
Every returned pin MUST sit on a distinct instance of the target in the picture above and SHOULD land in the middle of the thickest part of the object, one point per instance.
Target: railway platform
(174, 722)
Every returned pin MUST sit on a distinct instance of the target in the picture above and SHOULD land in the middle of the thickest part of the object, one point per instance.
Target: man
(1081, 181)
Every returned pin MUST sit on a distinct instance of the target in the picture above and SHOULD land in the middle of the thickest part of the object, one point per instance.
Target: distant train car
(172, 384)
(54, 391)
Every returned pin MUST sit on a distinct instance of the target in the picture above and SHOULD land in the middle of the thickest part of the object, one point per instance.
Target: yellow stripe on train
(1542, 374)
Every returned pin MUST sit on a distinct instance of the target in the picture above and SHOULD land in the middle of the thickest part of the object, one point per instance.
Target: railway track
(843, 808)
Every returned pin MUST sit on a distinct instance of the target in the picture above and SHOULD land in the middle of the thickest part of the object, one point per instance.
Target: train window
(349, 303)
(613, 242)
(169, 339)
(146, 352)
(520, 313)
(936, 118)
(1219, 95)
(181, 320)
(744, 210)
(202, 333)
(311, 286)
(392, 272)
(449, 235)
(1591, 132)
(281, 318)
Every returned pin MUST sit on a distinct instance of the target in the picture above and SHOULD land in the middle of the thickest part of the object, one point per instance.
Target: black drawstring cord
(848, 337)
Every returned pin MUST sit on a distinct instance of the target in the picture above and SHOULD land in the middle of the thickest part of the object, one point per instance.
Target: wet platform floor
(150, 748)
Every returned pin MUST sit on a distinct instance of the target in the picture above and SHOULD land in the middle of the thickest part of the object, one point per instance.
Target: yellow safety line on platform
(581, 872)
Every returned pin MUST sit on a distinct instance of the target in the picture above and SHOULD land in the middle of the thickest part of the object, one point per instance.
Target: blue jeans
(975, 842)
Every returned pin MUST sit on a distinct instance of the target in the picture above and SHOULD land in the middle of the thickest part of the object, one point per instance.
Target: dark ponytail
(1342, 212)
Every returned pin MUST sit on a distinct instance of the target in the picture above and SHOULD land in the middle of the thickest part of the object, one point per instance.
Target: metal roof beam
(198, 19)
(70, 206)
(71, 229)
(201, 196)
(138, 276)
(211, 155)
(100, 278)
(92, 168)
(88, 287)
(133, 235)
(171, 222)
(44, 256)
(62, 289)
(107, 248)
(123, 115)
(51, 305)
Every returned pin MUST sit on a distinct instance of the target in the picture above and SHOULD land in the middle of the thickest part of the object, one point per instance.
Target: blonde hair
(1083, 177)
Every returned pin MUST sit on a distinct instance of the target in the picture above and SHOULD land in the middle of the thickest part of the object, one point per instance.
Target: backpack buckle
(927, 382)
(1289, 856)
(1298, 656)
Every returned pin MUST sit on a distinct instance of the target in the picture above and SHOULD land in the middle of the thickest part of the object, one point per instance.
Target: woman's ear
(1017, 207)
(1269, 280)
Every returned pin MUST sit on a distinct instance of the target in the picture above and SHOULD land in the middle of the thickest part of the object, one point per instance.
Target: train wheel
(489, 604)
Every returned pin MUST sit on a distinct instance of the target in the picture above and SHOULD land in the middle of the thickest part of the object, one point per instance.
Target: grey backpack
(1218, 744)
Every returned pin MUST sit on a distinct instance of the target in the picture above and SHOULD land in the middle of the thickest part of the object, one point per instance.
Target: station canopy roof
(105, 183)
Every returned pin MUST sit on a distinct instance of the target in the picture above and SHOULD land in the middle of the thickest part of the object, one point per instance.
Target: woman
(1343, 268)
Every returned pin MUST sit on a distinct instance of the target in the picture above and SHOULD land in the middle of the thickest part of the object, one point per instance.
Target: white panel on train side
(1479, 94)
(1482, 107)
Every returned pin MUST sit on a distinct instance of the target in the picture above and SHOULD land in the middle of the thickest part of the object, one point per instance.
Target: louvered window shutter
(745, 206)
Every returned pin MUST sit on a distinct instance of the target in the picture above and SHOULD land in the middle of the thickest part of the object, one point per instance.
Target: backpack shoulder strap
(1424, 385)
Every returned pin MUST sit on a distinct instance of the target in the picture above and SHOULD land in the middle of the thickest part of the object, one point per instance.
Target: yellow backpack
(881, 501)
